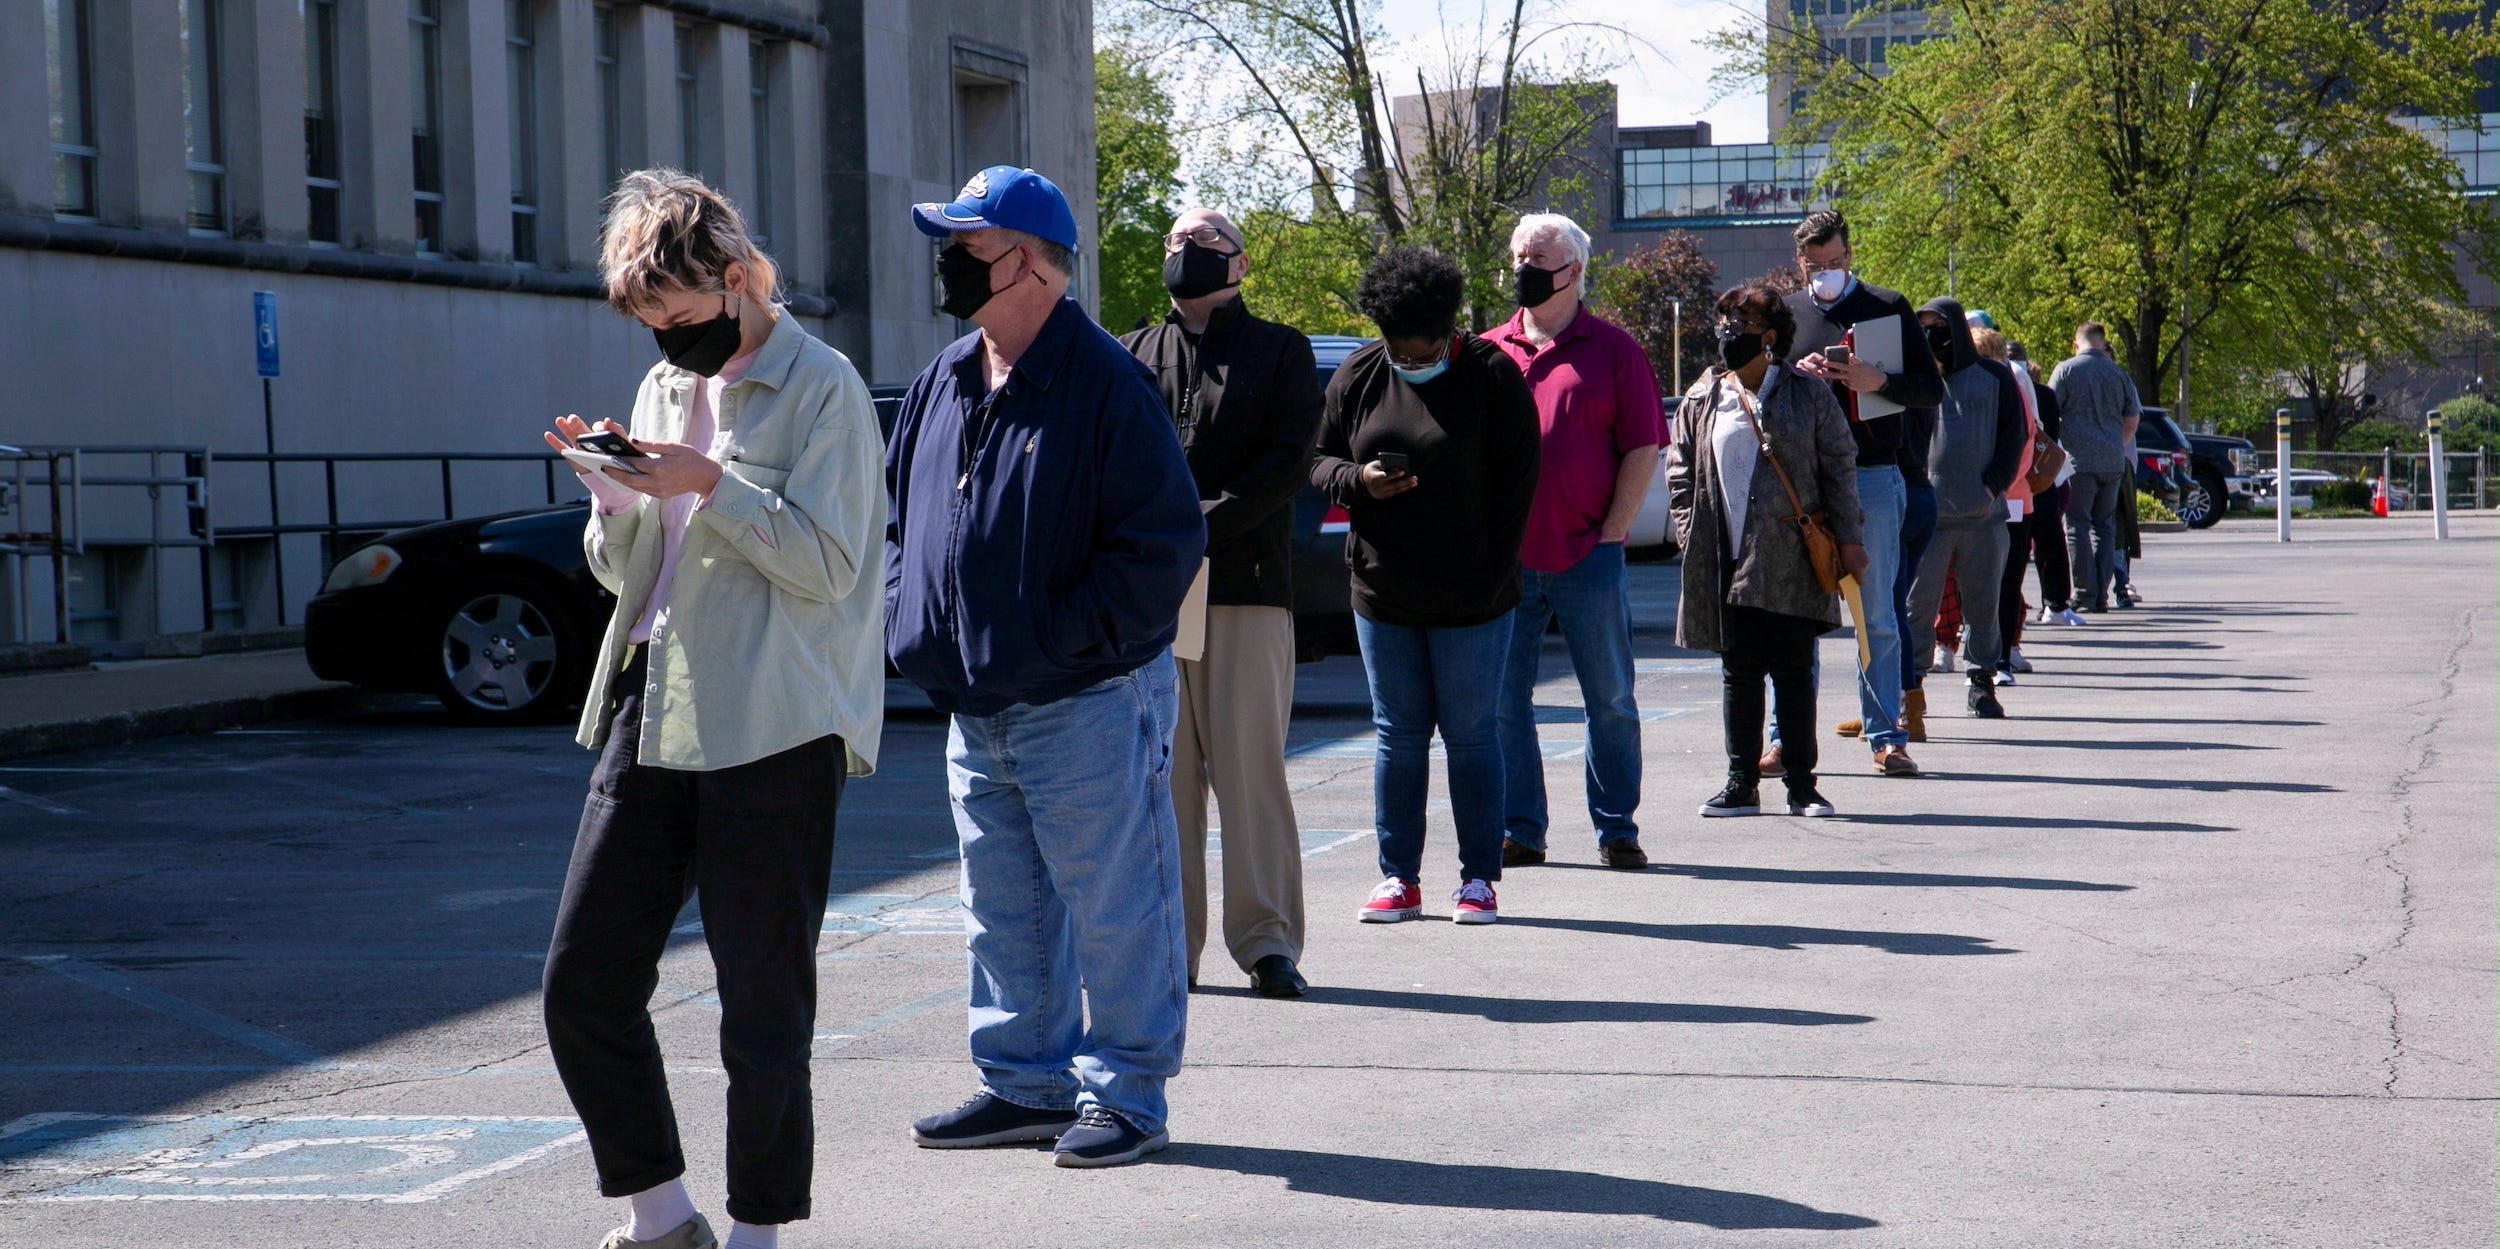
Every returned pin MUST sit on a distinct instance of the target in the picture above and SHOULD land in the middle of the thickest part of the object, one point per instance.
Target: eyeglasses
(1439, 352)
(1203, 236)
(1726, 326)
(1833, 267)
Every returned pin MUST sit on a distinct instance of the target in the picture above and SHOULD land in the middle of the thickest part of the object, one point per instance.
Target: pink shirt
(702, 430)
(1596, 400)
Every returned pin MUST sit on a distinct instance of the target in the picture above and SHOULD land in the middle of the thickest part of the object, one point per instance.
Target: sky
(1666, 78)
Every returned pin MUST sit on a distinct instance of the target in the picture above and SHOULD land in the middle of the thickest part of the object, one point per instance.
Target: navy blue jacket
(1061, 559)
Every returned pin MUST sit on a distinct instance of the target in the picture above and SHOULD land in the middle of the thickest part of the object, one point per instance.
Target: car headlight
(368, 565)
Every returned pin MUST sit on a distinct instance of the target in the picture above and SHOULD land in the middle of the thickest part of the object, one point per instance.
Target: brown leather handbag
(1822, 549)
(2047, 460)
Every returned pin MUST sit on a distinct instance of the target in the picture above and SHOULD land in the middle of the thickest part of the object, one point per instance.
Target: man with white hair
(1601, 423)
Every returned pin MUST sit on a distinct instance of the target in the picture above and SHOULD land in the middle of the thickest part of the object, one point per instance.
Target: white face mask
(1827, 284)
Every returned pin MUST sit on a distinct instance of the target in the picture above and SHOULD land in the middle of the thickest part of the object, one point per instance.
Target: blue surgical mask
(1417, 377)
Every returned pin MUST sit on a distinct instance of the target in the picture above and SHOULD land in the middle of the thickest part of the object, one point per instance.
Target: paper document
(1878, 342)
(1856, 599)
(1191, 642)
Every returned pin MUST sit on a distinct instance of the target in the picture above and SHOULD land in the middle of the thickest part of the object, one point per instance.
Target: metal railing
(2468, 472)
(56, 541)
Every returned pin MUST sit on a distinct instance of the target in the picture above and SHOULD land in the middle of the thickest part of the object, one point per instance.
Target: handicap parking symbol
(394, 1159)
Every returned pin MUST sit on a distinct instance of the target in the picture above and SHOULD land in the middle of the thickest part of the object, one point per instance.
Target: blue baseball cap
(1002, 197)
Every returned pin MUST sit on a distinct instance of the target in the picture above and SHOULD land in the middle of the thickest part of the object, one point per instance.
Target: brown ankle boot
(1914, 714)
(1851, 727)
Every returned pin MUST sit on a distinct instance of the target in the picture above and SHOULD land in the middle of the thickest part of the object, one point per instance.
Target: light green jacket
(775, 634)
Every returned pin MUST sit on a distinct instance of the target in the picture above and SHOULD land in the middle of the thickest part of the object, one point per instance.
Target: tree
(2205, 171)
(1136, 175)
(1641, 293)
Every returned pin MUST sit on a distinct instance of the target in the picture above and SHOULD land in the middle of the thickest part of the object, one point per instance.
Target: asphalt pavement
(2197, 948)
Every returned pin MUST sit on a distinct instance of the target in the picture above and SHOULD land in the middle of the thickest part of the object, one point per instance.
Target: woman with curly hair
(1746, 435)
(741, 681)
(1429, 442)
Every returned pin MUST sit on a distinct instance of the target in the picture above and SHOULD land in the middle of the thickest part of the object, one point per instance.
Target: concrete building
(418, 182)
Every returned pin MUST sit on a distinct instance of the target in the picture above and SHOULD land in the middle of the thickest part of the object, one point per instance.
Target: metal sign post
(2282, 474)
(265, 347)
(2439, 477)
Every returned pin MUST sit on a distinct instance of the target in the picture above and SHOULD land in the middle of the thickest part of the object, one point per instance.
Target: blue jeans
(1595, 606)
(1420, 679)
(1886, 499)
(1918, 528)
(1072, 896)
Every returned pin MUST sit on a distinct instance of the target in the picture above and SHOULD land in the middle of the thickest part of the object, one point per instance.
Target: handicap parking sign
(393, 1159)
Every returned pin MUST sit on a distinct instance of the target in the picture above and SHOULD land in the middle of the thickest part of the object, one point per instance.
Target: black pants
(2010, 609)
(2048, 550)
(755, 844)
(1764, 643)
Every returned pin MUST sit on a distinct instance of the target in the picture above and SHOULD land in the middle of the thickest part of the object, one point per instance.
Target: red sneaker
(1476, 904)
(1394, 900)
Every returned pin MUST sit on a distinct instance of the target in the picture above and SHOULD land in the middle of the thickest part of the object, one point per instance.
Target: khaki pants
(1234, 707)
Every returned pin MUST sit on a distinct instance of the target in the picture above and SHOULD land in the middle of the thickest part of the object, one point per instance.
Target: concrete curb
(204, 717)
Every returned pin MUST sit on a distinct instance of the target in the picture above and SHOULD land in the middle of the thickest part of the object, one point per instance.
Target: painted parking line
(167, 1004)
(1552, 749)
(37, 801)
(392, 1159)
(1674, 667)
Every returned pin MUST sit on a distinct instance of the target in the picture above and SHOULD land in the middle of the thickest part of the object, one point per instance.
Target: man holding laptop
(1865, 342)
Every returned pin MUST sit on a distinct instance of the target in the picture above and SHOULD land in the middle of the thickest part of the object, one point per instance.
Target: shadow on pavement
(2139, 782)
(2261, 724)
(2158, 675)
(2147, 644)
(2058, 743)
(1913, 880)
(1456, 1186)
(2035, 821)
(1538, 1010)
(1772, 936)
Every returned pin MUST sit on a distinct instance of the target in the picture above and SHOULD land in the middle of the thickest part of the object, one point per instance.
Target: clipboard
(1878, 342)
(1851, 594)
(1191, 642)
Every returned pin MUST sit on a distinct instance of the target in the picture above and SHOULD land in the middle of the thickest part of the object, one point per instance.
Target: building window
(760, 101)
(425, 119)
(689, 104)
(611, 97)
(203, 120)
(520, 47)
(68, 64)
(321, 119)
(988, 130)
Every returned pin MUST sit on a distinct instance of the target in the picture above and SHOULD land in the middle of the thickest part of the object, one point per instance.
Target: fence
(2469, 475)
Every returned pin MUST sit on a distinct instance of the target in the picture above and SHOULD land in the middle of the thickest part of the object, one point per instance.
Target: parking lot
(2196, 948)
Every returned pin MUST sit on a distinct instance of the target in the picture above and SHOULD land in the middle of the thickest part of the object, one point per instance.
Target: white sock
(659, 1211)
(753, 1236)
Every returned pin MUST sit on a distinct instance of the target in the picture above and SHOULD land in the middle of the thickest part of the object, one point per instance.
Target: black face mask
(1195, 271)
(701, 348)
(1940, 341)
(965, 280)
(1738, 349)
(1533, 286)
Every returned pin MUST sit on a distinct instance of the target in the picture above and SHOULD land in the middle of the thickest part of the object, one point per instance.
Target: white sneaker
(2068, 616)
(2048, 614)
(2004, 677)
(2014, 660)
(1947, 660)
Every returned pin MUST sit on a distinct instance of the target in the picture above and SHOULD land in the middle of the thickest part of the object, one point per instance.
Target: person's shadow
(1463, 1186)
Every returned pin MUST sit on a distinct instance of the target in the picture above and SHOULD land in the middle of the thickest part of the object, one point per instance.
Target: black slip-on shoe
(989, 1119)
(1520, 854)
(1276, 976)
(1626, 855)
(1104, 1139)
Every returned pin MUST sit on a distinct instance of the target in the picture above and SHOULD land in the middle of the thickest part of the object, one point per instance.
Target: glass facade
(321, 119)
(520, 47)
(1742, 182)
(611, 99)
(760, 97)
(2476, 151)
(425, 118)
(689, 105)
(69, 64)
(203, 123)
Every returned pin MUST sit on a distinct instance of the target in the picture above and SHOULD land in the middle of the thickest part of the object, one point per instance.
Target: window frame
(425, 122)
(520, 44)
(82, 153)
(326, 71)
(209, 170)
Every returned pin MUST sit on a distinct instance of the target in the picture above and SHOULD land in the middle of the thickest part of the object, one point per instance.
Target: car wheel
(2200, 502)
(506, 652)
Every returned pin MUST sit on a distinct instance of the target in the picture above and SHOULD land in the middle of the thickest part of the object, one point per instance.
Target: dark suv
(2222, 468)
(2161, 458)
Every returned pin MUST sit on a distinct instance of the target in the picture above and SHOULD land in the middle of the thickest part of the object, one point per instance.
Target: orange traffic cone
(2378, 498)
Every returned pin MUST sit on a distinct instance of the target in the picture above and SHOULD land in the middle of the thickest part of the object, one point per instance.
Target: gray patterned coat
(1810, 437)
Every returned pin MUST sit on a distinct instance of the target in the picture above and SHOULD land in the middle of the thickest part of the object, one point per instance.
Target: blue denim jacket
(1058, 556)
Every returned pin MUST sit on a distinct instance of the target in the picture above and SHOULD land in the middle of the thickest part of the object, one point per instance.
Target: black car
(2222, 467)
(2161, 458)
(1323, 593)
(497, 617)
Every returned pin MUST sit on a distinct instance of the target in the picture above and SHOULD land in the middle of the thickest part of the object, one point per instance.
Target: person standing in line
(1834, 301)
(1429, 442)
(1045, 535)
(2048, 520)
(2099, 411)
(1918, 530)
(1601, 421)
(1981, 436)
(1244, 395)
(2020, 504)
(740, 682)
(1753, 446)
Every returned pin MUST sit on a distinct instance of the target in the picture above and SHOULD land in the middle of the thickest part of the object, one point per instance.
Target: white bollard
(2439, 478)
(2282, 474)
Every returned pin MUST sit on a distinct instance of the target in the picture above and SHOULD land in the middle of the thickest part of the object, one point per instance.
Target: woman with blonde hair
(740, 682)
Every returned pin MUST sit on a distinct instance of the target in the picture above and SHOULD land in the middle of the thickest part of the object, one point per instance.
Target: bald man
(1245, 398)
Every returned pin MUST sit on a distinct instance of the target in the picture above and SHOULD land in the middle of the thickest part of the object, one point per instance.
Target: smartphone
(606, 443)
(1837, 354)
(1391, 461)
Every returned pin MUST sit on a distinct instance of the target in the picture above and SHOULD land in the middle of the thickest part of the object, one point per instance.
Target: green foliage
(1136, 176)
(2342, 495)
(1303, 273)
(1639, 293)
(2377, 434)
(2150, 511)
(2472, 421)
(2233, 174)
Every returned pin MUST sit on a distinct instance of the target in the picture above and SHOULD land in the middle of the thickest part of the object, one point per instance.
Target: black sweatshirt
(1919, 385)
(1444, 555)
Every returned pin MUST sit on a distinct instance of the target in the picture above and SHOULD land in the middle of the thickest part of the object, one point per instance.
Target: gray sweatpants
(2092, 534)
(1973, 554)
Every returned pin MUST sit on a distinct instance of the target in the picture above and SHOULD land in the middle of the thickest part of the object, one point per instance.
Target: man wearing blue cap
(1044, 532)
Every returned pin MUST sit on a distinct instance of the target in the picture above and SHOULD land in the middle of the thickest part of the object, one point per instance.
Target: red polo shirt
(1596, 399)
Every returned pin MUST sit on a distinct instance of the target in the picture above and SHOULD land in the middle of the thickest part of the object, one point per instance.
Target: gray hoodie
(1980, 429)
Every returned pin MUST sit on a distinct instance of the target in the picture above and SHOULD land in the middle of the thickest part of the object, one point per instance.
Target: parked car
(2305, 482)
(2161, 458)
(497, 617)
(2219, 467)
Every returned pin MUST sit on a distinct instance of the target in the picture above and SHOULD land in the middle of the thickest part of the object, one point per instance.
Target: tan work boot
(1914, 714)
(1850, 728)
